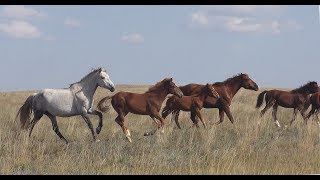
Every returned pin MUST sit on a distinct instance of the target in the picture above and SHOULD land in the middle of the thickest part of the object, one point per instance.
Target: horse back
(191, 89)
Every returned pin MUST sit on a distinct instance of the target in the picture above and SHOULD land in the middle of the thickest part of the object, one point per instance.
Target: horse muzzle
(112, 89)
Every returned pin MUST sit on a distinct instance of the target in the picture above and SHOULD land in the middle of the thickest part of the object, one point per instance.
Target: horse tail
(260, 99)
(104, 104)
(25, 112)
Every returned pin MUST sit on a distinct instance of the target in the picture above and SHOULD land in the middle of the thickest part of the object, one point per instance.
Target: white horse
(72, 101)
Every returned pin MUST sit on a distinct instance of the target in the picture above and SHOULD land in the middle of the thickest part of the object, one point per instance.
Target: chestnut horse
(148, 103)
(314, 99)
(226, 89)
(192, 103)
(296, 99)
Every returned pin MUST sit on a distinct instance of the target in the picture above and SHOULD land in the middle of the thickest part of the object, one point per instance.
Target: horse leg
(197, 110)
(161, 127)
(37, 116)
(312, 111)
(318, 120)
(268, 106)
(87, 120)
(165, 112)
(294, 115)
(157, 123)
(226, 108)
(302, 111)
(99, 114)
(176, 118)
(194, 119)
(221, 115)
(120, 120)
(274, 114)
(55, 126)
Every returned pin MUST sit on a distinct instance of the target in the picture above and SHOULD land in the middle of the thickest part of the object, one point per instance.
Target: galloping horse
(148, 103)
(226, 89)
(72, 101)
(296, 99)
(314, 99)
(192, 103)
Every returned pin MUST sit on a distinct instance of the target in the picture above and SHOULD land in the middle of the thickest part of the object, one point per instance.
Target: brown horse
(296, 99)
(226, 89)
(148, 103)
(192, 103)
(314, 99)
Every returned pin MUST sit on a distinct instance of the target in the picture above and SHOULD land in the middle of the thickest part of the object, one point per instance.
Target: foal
(148, 103)
(296, 99)
(189, 103)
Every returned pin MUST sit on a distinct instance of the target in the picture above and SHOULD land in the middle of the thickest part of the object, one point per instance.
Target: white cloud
(237, 24)
(133, 38)
(72, 23)
(199, 18)
(242, 19)
(20, 29)
(21, 12)
(242, 25)
(244, 9)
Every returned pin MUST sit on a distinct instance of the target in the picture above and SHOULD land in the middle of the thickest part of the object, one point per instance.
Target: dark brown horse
(296, 99)
(314, 99)
(226, 89)
(192, 103)
(148, 103)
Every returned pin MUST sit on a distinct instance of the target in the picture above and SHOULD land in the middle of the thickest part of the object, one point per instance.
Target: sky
(54, 46)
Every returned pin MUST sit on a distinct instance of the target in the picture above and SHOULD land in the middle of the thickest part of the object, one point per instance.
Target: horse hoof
(98, 130)
(98, 140)
(129, 139)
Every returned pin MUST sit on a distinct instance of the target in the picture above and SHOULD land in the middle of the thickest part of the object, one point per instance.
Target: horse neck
(233, 87)
(303, 92)
(88, 87)
(203, 95)
(161, 94)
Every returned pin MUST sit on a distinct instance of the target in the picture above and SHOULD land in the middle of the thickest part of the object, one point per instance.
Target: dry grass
(253, 145)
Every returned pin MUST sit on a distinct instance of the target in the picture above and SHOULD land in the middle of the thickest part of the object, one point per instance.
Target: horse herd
(78, 100)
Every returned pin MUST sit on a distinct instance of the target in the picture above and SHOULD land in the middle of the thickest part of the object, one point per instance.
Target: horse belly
(287, 104)
(61, 106)
(210, 102)
(183, 104)
(65, 110)
(137, 108)
(286, 101)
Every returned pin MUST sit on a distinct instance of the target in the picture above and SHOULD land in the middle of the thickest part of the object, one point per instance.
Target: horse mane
(157, 85)
(229, 79)
(93, 71)
(303, 88)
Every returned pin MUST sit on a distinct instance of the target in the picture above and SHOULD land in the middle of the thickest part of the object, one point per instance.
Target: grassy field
(252, 145)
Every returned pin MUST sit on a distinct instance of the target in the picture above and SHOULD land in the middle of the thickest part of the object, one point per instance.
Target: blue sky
(54, 46)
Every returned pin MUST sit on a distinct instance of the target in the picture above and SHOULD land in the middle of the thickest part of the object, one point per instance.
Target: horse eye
(103, 77)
